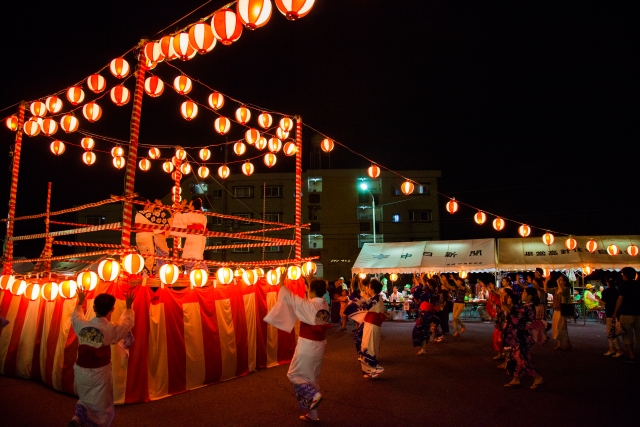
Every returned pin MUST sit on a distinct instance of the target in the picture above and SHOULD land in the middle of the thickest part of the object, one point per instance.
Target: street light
(373, 208)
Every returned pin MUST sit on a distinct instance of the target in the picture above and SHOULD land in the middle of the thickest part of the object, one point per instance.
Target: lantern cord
(10, 106)
(192, 12)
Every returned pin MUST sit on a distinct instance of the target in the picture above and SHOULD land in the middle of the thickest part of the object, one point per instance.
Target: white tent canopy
(529, 253)
(444, 256)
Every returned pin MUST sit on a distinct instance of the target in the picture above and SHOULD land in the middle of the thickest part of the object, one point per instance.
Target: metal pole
(127, 212)
(8, 252)
(298, 210)
(373, 206)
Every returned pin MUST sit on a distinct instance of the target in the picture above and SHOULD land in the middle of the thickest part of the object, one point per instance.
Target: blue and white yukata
(369, 313)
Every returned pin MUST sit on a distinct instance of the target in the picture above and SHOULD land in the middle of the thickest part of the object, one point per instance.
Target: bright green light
(363, 186)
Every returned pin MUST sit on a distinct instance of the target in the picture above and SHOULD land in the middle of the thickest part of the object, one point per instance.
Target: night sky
(529, 109)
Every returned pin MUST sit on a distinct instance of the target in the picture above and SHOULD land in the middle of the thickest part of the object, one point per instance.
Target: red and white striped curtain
(184, 339)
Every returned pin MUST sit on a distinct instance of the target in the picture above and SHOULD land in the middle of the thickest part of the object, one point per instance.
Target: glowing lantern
(309, 268)
(68, 289)
(216, 100)
(373, 171)
(222, 125)
(632, 250)
(393, 277)
(261, 143)
(49, 291)
(226, 26)
(613, 250)
(182, 85)
(290, 148)
(69, 123)
(87, 143)
(153, 52)
(294, 272)
(265, 120)
(251, 136)
(12, 123)
(270, 159)
(570, 243)
(133, 263)
(524, 230)
(87, 280)
(108, 269)
(119, 67)
(182, 47)
(144, 165)
(238, 272)
(176, 190)
(117, 151)
(587, 270)
(176, 198)
(6, 281)
(96, 83)
(185, 168)
(180, 154)
(38, 109)
(247, 169)
(166, 46)
(176, 176)
(89, 157)
(75, 95)
(548, 238)
(57, 147)
(275, 145)
(54, 104)
(120, 95)
(273, 277)
(326, 145)
(239, 148)
(16, 287)
(452, 206)
(480, 217)
(119, 162)
(198, 277)
(407, 187)
(545, 272)
(243, 115)
(498, 224)
(203, 172)
(592, 246)
(462, 274)
(282, 134)
(286, 124)
(92, 111)
(201, 38)
(254, 13)
(31, 127)
(362, 276)
(169, 274)
(49, 127)
(153, 86)
(250, 277)
(167, 167)
(154, 153)
(204, 154)
(224, 275)
(294, 9)
(223, 171)
(260, 272)
(189, 110)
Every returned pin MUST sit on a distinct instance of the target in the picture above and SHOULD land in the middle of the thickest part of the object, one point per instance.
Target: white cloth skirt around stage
(95, 389)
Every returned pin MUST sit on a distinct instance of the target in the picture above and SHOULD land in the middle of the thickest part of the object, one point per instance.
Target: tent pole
(298, 210)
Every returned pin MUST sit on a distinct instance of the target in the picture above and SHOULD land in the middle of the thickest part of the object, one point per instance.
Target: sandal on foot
(309, 419)
(535, 385)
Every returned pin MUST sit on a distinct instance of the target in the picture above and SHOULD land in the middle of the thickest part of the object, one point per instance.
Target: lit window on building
(314, 184)
(199, 188)
(395, 218)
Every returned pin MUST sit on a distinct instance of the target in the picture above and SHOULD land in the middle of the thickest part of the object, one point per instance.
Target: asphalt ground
(455, 384)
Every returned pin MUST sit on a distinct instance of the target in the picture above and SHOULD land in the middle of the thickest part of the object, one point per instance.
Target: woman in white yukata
(314, 317)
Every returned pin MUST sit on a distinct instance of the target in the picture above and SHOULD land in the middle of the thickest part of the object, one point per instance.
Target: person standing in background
(628, 307)
(335, 293)
(609, 299)
(559, 322)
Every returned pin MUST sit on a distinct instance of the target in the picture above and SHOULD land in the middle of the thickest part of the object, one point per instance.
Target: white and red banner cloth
(184, 339)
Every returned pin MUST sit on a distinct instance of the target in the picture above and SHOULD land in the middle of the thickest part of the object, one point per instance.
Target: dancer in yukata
(194, 244)
(92, 370)
(152, 241)
(313, 313)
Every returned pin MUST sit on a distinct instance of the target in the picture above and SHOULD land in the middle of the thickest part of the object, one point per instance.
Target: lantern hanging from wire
(570, 243)
(153, 86)
(16, 287)
(273, 277)
(250, 277)
(181, 153)
(290, 148)
(182, 46)
(587, 270)
(274, 145)
(87, 280)
(243, 115)
(294, 9)
(270, 159)
(182, 85)
(96, 83)
(169, 274)
(613, 250)
(254, 13)
(216, 100)
(166, 46)
(480, 217)
(632, 250)
(12, 123)
(281, 133)
(89, 157)
(31, 127)
(239, 148)
(393, 277)
(189, 110)
(57, 147)
(462, 274)
(49, 127)
(265, 120)
(247, 168)
(309, 268)
(548, 238)
(203, 172)
(524, 230)
(176, 162)
(224, 275)
(592, 246)
(237, 273)
(109, 269)
(498, 224)
(68, 289)
(226, 25)
(133, 263)
(223, 171)
(407, 187)
(119, 162)
(117, 151)
(251, 136)
(205, 154)
(49, 291)
(154, 153)
(201, 38)
(294, 272)
(198, 277)
(362, 276)
(327, 145)
(6, 281)
(87, 143)
(373, 171)
(69, 123)
(176, 176)
(92, 112)
(185, 168)
(452, 206)
(120, 95)
(38, 109)
(167, 167)
(153, 52)
(75, 95)
(222, 125)
(286, 124)
(261, 143)
(119, 67)
(144, 165)
(54, 104)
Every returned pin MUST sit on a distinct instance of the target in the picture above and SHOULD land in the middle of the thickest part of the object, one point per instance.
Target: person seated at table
(590, 300)
(485, 294)
(576, 295)
(395, 295)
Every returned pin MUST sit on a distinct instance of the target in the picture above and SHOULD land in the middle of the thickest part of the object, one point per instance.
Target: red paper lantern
(119, 67)
(261, 143)
(32, 291)
(38, 109)
(87, 280)
(133, 263)
(239, 148)
(69, 123)
(31, 127)
(176, 161)
(181, 154)
(281, 133)
(144, 164)
(96, 83)
(203, 172)
(204, 154)
(480, 217)
(224, 275)
(182, 47)
(12, 123)
(189, 110)
(222, 125)
(374, 171)
(498, 224)
(265, 120)
(68, 289)
(119, 162)
(87, 143)
(223, 171)
(251, 136)
(109, 269)
(290, 148)
(270, 159)
(216, 100)
(176, 190)
(54, 104)
(592, 246)
(452, 206)
(226, 26)
(120, 95)
(153, 52)
(613, 250)
(294, 9)
(274, 145)
(524, 230)
(201, 38)
(570, 243)
(327, 145)
(587, 270)
(243, 115)
(254, 13)
(182, 85)
(247, 169)
(199, 277)
(49, 291)
(49, 127)
(89, 157)
(407, 187)
(57, 147)
(548, 238)
(176, 176)
(632, 250)
(286, 124)
(75, 95)
(166, 46)
(154, 153)
(92, 111)
(153, 86)
(185, 168)
(117, 151)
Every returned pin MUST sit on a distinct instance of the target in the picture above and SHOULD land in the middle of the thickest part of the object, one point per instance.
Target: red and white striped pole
(48, 241)
(298, 219)
(127, 212)
(13, 192)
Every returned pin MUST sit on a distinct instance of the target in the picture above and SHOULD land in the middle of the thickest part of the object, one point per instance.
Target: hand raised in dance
(129, 297)
(82, 295)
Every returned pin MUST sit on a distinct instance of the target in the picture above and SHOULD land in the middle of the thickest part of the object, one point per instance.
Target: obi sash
(375, 318)
(313, 332)
(92, 357)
